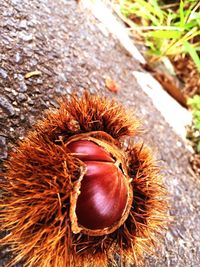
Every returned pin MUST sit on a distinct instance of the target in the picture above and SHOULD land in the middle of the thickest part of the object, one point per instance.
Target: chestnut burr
(76, 194)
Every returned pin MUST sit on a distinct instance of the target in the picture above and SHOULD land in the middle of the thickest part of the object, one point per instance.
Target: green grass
(194, 103)
(194, 135)
(168, 30)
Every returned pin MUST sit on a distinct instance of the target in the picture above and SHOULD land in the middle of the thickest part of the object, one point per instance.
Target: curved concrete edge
(177, 116)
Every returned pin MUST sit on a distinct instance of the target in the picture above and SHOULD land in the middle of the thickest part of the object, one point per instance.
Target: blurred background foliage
(170, 32)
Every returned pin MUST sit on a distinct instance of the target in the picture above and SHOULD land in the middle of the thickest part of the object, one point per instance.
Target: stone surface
(64, 43)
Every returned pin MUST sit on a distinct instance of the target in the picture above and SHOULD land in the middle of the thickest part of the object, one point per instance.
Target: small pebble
(30, 101)
(21, 97)
(3, 148)
(25, 36)
(22, 87)
(23, 24)
(3, 73)
(18, 57)
(6, 105)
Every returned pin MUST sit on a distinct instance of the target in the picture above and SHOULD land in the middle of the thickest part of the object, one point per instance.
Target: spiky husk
(41, 174)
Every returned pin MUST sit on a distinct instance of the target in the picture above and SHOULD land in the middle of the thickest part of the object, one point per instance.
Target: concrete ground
(68, 47)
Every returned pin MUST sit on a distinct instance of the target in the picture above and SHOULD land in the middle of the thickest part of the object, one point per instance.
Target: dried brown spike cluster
(75, 196)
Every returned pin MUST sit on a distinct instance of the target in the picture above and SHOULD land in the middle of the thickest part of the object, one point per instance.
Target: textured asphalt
(65, 44)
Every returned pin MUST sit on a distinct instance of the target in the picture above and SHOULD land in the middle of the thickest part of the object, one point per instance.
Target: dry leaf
(111, 85)
(32, 73)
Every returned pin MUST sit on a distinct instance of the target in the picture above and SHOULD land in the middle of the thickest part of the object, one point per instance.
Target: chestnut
(105, 193)
(77, 190)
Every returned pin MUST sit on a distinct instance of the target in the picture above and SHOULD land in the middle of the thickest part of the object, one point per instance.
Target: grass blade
(160, 34)
(181, 12)
(192, 51)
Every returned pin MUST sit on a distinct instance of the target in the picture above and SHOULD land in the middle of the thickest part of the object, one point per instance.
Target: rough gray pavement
(65, 44)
